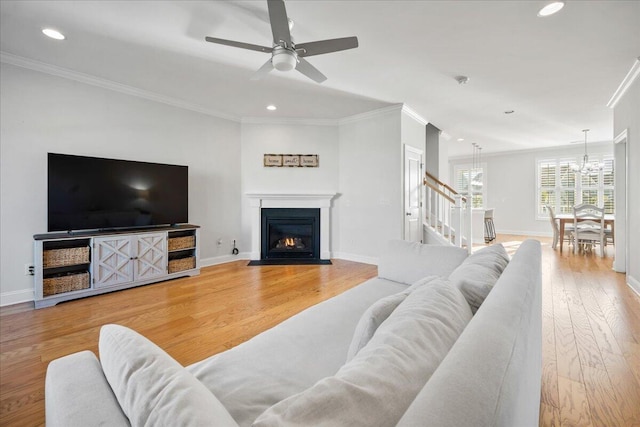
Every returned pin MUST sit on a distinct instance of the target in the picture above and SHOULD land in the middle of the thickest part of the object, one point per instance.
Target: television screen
(87, 193)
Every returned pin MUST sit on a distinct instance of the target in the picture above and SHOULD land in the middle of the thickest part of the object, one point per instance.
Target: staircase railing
(448, 213)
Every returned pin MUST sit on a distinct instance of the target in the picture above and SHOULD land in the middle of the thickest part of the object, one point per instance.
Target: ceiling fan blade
(310, 71)
(263, 71)
(326, 46)
(279, 22)
(239, 44)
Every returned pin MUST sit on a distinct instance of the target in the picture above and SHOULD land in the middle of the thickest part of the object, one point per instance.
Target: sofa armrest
(78, 394)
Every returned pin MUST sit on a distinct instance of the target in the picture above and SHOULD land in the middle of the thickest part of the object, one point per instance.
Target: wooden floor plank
(604, 406)
(574, 406)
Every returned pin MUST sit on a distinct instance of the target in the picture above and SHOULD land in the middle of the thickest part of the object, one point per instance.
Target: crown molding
(370, 114)
(415, 116)
(54, 70)
(628, 80)
(288, 121)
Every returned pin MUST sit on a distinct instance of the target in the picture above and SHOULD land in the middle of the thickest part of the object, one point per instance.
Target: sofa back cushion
(477, 274)
(407, 262)
(151, 387)
(379, 383)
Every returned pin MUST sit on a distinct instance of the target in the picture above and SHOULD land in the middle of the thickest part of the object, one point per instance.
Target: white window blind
(469, 180)
(561, 188)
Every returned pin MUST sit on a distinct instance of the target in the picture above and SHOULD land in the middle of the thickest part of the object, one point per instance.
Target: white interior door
(412, 194)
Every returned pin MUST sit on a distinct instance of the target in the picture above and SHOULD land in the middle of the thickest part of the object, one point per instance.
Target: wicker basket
(177, 243)
(68, 283)
(182, 264)
(67, 256)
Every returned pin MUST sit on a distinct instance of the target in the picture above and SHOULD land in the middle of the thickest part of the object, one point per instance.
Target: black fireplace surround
(290, 236)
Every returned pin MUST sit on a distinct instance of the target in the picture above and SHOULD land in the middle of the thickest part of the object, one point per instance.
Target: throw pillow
(377, 313)
(377, 386)
(371, 319)
(406, 262)
(151, 387)
(477, 274)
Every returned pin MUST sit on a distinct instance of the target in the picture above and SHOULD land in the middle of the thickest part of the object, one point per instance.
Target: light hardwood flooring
(591, 329)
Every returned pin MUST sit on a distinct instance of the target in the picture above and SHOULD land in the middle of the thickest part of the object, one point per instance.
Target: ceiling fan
(285, 54)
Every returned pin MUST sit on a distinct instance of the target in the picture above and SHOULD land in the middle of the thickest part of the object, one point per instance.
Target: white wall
(511, 185)
(41, 113)
(289, 138)
(370, 186)
(627, 116)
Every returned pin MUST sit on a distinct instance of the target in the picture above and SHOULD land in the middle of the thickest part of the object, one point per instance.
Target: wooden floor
(591, 329)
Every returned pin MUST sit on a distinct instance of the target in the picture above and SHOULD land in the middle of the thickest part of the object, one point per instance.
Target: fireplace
(290, 201)
(290, 234)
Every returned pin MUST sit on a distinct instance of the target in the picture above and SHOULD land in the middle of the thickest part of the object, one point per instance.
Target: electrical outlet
(29, 270)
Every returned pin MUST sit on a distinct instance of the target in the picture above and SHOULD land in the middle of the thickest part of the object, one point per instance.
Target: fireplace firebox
(290, 235)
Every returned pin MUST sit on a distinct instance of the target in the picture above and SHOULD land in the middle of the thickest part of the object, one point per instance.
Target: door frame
(621, 158)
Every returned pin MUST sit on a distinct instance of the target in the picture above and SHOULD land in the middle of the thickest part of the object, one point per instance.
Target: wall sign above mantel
(291, 161)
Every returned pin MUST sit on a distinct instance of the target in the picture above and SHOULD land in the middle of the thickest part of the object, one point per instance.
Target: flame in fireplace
(290, 243)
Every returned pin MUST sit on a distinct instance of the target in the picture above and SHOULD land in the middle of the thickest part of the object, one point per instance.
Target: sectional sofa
(439, 338)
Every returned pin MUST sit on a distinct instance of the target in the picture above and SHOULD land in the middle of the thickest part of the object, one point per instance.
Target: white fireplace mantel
(322, 201)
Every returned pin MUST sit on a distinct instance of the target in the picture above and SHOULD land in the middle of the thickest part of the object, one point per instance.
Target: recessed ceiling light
(271, 107)
(551, 8)
(460, 139)
(54, 34)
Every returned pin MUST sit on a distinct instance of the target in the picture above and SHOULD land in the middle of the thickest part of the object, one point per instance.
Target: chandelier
(587, 168)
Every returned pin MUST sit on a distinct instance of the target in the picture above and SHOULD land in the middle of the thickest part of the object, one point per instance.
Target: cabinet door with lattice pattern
(112, 260)
(151, 256)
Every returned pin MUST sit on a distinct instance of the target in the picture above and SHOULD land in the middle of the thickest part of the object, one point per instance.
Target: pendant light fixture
(587, 167)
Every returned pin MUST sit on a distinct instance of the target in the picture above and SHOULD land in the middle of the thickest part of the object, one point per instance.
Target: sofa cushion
(407, 262)
(151, 387)
(477, 274)
(380, 382)
(376, 314)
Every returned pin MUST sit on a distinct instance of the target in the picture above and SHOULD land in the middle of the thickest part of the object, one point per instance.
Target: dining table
(609, 222)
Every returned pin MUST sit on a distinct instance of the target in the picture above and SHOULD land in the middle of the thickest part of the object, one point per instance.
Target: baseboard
(16, 297)
(634, 284)
(355, 258)
(526, 233)
(207, 262)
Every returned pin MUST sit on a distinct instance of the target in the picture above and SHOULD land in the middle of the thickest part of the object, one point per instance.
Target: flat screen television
(90, 193)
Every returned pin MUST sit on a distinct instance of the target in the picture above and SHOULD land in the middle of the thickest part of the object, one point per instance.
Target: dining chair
(489, 228)
(588, 224)
(568, 228)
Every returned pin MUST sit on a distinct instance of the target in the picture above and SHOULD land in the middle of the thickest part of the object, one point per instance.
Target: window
(561, 188)
(468, 179)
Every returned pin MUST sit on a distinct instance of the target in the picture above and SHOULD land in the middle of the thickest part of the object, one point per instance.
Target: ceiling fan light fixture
(54, 34)
(283, 59)
(551, 8)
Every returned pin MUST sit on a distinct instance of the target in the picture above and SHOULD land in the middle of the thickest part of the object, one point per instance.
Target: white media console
(77, 265)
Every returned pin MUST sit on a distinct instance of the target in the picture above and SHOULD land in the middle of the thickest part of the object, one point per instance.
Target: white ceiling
(557, 73)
